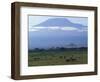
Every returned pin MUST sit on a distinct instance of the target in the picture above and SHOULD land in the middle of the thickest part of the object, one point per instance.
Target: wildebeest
(36, 59)
(71, 59)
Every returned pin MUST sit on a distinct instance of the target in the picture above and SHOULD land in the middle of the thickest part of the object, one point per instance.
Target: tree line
(58, 48)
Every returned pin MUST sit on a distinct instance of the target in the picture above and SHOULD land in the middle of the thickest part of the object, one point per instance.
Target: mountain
(61, 22)
(57, 38)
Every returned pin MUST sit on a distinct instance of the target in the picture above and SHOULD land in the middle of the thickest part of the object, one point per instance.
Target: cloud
(39, 27)
(43, 28)
(35, 29)
(53, 28)
(69, 28)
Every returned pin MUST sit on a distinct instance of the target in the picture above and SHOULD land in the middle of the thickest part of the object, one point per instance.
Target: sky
(56, 31)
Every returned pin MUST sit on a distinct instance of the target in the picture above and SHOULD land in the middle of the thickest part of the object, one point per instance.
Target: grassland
(57, 57)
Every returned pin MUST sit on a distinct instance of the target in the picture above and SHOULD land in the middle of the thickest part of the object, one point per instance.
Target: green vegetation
(42, 57)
